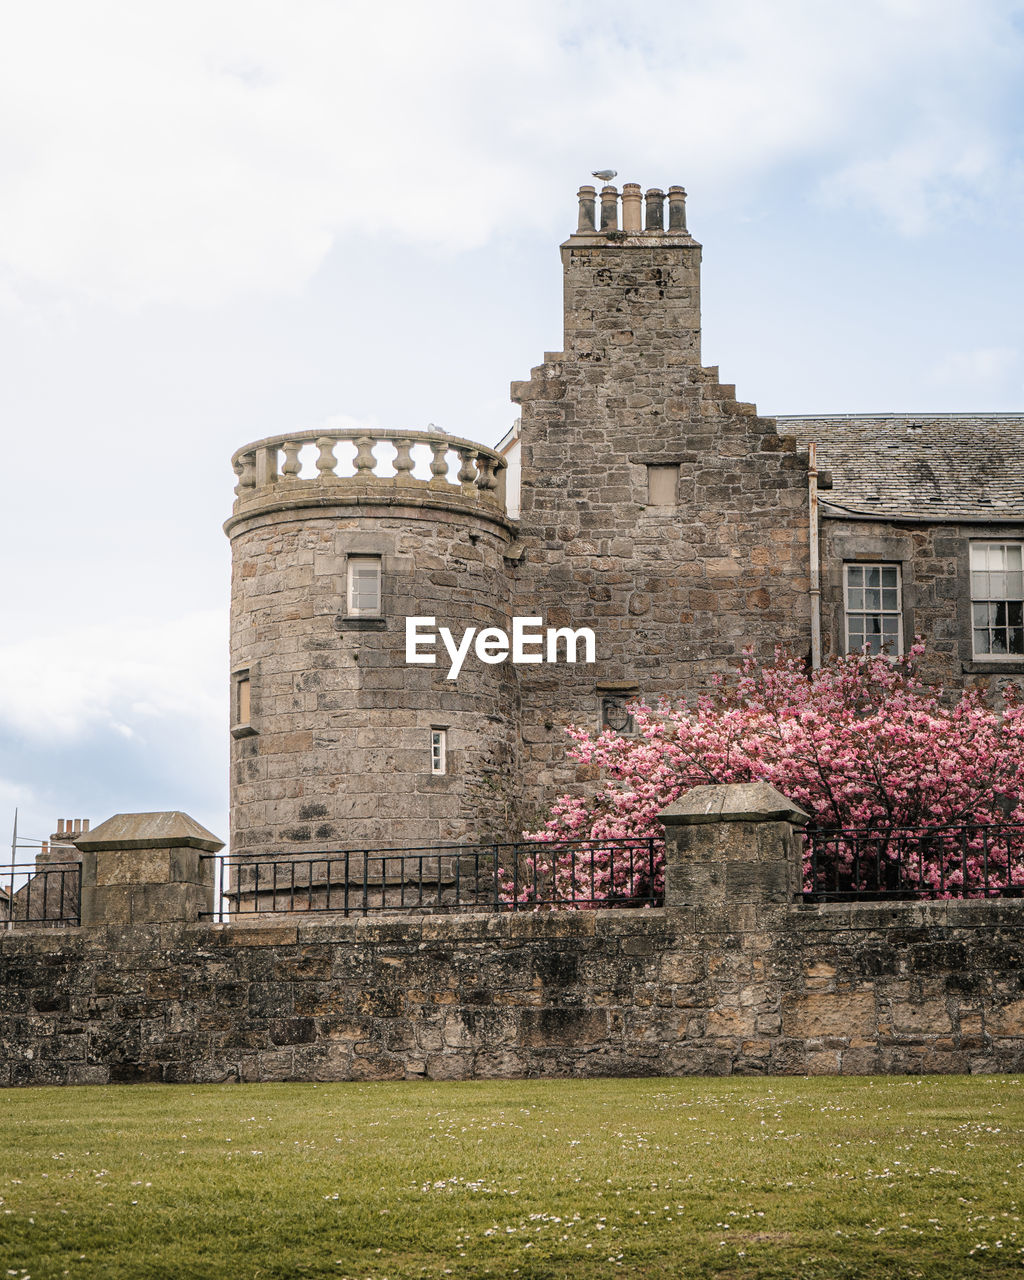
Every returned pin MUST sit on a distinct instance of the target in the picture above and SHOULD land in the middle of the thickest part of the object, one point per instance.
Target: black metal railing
(969, 860)
(443, 878)
(40, 892)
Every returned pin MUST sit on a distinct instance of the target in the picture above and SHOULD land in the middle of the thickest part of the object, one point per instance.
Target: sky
(227, 219)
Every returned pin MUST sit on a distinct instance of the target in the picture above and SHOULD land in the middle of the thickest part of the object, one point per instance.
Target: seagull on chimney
(605, 175)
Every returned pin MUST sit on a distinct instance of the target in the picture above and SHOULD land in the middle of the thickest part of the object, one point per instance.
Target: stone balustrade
(356, 463)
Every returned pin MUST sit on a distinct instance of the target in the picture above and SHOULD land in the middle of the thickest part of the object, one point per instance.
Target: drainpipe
(812, 537)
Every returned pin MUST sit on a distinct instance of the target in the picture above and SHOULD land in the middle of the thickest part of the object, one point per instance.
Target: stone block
(844, 1014)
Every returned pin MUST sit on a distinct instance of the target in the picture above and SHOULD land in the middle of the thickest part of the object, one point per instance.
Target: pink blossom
(860, 743)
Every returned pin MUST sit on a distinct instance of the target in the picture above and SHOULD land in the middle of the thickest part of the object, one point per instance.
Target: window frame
(438, 750)
(243, 699)
(975, 544)
(352, 563)
(881, 612)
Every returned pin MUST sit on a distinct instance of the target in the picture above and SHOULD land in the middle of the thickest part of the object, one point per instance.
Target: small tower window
(438, 750)
(241, 703)
(364, 581)
(243, 699)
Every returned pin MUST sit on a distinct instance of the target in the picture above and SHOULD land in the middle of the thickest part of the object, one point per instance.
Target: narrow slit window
(364, 586)
(874, 609)
(243, 699)
(997, 599)
(439, 751)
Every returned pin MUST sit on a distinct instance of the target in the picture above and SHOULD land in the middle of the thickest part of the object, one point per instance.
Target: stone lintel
(733, 802)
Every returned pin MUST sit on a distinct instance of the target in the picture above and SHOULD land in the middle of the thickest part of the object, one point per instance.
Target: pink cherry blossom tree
(861, 743)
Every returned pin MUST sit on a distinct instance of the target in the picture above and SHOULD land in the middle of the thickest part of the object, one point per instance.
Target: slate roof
(924, 466)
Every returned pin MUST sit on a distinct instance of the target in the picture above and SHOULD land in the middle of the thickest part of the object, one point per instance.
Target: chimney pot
(609, 209)
(676, 209)
(587, 197)
(631, 206)
(655, 213)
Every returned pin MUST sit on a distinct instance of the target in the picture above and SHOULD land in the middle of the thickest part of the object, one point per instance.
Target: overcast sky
(224, 219)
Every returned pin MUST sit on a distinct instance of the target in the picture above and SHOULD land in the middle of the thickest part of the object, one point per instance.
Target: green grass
(823, 1178)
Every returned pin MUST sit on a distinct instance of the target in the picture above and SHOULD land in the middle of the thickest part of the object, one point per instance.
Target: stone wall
(844, 988)
(935, 574)
(732, 976)
(674, 588)
(336, 752)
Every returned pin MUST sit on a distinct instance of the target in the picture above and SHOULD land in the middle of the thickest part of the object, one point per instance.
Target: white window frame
(438, 749)
(1008, 592)
(861, 609)
(354, 566)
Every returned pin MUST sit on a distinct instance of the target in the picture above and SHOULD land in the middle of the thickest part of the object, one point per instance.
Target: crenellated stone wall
(732, 976)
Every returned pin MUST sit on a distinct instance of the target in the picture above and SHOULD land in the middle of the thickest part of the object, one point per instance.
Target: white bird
(605, 175)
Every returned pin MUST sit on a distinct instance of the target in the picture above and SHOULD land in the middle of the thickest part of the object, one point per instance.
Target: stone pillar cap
(168, 830)
(733, 802)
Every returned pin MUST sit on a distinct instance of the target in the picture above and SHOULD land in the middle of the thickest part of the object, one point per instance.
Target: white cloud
(215, 149)
(123, 677)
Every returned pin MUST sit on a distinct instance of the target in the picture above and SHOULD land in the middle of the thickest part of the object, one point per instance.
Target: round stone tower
(337, 741)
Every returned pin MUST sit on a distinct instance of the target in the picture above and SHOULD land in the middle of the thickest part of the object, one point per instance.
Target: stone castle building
(636, 497)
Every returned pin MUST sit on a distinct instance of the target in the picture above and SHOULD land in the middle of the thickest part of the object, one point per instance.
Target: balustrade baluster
(292, 466)
(365, 460)
(326, 461)
(403, 463)
(245, 468)
(467, 471)
(486, 478)
(438, 461)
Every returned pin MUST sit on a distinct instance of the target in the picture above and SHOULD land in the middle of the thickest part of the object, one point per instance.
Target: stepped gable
(919, 466)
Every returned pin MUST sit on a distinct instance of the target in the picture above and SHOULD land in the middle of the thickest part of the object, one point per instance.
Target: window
(243, 699)
(364, 586)
(997, 599)
(662, 484)
(439, 751)
(873, 609)
(241, 703)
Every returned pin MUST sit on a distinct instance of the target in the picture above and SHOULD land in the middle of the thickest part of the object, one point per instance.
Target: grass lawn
(826, 1178)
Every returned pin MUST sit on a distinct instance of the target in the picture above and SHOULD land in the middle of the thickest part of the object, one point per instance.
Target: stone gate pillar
(733, 850)
(146, 868)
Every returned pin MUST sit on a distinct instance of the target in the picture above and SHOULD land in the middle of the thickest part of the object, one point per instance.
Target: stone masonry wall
(337, 754)
(852, 989)
(935, 573)
(672, 591)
